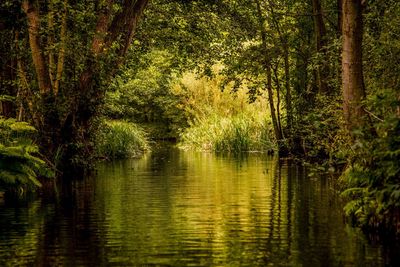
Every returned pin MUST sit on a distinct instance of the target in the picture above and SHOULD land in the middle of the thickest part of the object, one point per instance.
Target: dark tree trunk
(41, 70)
(282, 148)
(352, 68)
(322, 71)
(289, 109)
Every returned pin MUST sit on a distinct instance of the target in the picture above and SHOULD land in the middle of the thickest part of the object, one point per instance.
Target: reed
(121, 139)
(242, 133)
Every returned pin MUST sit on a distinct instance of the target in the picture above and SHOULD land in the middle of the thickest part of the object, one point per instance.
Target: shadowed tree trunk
(322, 71)
(283, 37)
(352, 68)
(282, 149)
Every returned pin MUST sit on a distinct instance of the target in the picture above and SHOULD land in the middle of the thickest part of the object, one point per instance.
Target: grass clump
(228, 134)
(121, 139)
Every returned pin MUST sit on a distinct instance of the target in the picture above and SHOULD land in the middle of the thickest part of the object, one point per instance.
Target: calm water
(174, 208)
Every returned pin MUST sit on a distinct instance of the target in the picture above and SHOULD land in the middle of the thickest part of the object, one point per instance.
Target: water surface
(175, 208)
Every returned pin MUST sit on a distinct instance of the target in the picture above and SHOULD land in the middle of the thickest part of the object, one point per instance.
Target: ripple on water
(173, 208)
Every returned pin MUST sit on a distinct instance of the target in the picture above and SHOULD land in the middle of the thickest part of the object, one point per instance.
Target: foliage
(202, 96)
(321, 128)
(144, 96)
(372, 178)
(20, 168)
(121, 139)
(56, 58)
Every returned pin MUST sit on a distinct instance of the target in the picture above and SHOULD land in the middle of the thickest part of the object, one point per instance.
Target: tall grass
(121, 139)
(223, 120)
(229, 134)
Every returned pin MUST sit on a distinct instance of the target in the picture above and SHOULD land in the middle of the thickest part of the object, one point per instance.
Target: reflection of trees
(304, 219)
(70, 232)
(203, 209)
(180, 208)
(20, 233)
(52, 234)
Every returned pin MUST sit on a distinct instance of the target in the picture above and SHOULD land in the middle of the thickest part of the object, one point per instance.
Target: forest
(315, 82)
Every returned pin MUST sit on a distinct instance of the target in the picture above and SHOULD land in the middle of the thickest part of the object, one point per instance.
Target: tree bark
(322, 71)
(278, 100)
(61, 52)
(352, 68)
(289, 109)
(32, 14)
(124, 24)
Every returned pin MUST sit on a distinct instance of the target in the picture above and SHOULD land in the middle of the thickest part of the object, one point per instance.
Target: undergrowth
(372, 178)
(20, 165)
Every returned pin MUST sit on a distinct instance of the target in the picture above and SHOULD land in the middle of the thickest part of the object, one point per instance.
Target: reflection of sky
(181, 208)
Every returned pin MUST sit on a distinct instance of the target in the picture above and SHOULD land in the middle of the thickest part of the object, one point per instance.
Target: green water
(174, 208)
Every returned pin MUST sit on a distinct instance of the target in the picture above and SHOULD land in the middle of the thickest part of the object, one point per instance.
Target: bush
(121, 139)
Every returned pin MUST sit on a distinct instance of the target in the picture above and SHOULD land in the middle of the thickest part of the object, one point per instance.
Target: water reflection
(174, 208)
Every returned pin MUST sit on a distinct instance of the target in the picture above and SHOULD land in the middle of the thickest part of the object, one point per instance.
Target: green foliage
(121, 139)
(372, 179)
(144, 96)
(19, 167)
(323, 136)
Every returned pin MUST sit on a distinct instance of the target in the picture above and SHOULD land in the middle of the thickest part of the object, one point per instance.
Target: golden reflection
(179, 208)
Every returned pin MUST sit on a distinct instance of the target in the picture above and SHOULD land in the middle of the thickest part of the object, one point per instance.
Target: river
(176, 208)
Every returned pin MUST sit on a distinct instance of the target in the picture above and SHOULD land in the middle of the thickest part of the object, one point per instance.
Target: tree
(73, 53)
(322, 71)
(352, 67)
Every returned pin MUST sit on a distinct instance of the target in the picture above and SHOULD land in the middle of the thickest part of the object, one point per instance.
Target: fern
(19, 165)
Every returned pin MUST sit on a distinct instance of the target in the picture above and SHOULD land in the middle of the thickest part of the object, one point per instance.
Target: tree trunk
(278, 97)
(289, 109)
(322, 71)
(352, 68)
(282, 149)
(277, 130)
(78, 127)
(43, 78)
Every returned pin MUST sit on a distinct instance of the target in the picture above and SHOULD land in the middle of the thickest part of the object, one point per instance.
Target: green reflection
(174, 208)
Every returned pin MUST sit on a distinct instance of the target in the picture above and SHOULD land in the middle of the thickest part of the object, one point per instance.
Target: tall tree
(268, 71)
(67, 99)
(352, 67)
